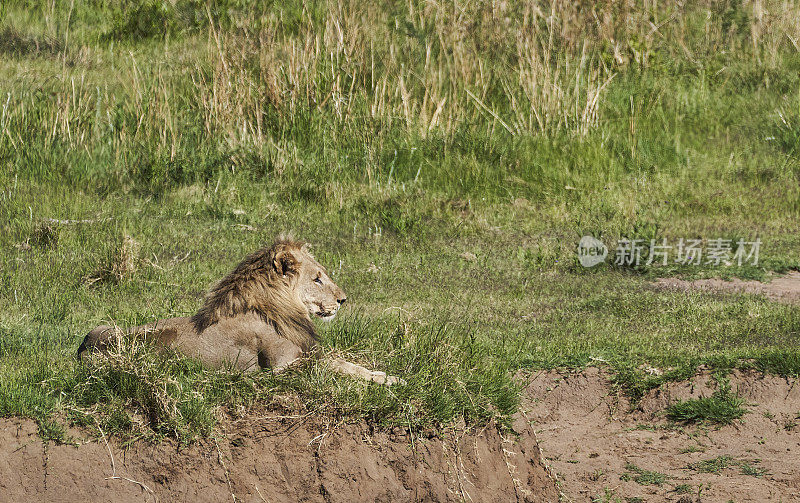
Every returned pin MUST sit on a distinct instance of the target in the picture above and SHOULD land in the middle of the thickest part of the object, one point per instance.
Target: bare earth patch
(600, 448)
(783, 289)
(280, 459)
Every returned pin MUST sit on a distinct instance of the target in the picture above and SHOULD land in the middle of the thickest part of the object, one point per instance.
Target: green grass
(394, 138)
(722, 407)
(682, 489)
(608, 496)
(643, 477)
(752, 470)
(714, 465)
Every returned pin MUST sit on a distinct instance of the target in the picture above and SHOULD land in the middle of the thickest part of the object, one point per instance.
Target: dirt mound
(783, 289)
(280, 459)
(600, 448)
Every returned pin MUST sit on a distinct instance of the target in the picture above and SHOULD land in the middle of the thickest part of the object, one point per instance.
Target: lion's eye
(318, 280)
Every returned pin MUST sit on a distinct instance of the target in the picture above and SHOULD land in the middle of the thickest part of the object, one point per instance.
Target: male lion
(258, 316)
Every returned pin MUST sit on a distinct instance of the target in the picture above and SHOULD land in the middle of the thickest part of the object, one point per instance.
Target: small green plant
(722, 407)
(682, 489)
(637, 383)
(714, 465)
(751, 469)
(642, 476)
(608, 496)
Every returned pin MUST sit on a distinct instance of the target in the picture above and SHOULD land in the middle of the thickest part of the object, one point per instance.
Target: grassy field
(444, 159)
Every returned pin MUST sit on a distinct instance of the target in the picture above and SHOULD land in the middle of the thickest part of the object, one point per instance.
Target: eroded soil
(589, 433)
(274, 459)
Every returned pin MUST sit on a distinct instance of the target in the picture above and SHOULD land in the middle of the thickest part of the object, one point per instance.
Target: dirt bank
(782, 289)
(279, 459)
(599, 447)
(589, 434)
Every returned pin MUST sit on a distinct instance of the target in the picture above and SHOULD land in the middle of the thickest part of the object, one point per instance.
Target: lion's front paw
(377, 376)
(387, 380)
(394, 380)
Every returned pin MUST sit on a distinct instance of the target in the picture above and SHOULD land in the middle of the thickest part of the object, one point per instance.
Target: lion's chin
(327, 318)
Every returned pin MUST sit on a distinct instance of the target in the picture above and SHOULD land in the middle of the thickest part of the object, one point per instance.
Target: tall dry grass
(521, 68)
(525, 67)
(440, 66)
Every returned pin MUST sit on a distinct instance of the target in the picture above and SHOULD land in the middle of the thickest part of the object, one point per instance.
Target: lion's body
(257, 317)
(245, 342)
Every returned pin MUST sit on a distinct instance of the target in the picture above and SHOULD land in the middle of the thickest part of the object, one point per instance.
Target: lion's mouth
(322, 311)
(325, 314)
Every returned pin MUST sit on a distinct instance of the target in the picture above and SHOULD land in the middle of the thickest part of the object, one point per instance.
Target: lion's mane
(262, 283)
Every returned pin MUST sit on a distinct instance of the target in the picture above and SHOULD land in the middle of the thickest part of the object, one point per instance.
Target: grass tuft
(682, 489)
(714, 465)
(643, 477)
(722, 407)
(752, 470)
(120, 265)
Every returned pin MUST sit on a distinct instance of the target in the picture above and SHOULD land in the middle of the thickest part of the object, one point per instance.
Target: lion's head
(283, 283)
(321, 296)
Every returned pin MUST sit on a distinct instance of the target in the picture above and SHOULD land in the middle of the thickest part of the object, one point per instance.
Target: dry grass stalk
(121, 266)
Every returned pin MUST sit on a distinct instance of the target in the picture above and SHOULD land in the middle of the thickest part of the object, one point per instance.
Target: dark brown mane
(259, 284)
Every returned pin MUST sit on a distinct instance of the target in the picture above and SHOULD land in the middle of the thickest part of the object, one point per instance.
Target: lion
(257, 317)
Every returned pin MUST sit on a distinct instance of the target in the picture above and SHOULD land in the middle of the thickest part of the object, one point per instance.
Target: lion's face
(321, 296)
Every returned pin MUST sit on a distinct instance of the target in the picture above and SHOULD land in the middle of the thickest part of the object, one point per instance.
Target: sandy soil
(588, 433)
(277, 460)
(783, 289)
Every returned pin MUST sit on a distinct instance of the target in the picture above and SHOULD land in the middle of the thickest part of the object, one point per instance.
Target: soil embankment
(275, 459)
(601, 449)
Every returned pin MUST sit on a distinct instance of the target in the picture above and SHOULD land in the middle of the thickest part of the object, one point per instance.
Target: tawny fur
(261, 284)
(257, 316)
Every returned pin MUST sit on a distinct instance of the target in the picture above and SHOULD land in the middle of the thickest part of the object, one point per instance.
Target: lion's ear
(285, 263)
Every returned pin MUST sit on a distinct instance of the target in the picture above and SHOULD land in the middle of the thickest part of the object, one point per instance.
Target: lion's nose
(342, 300)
